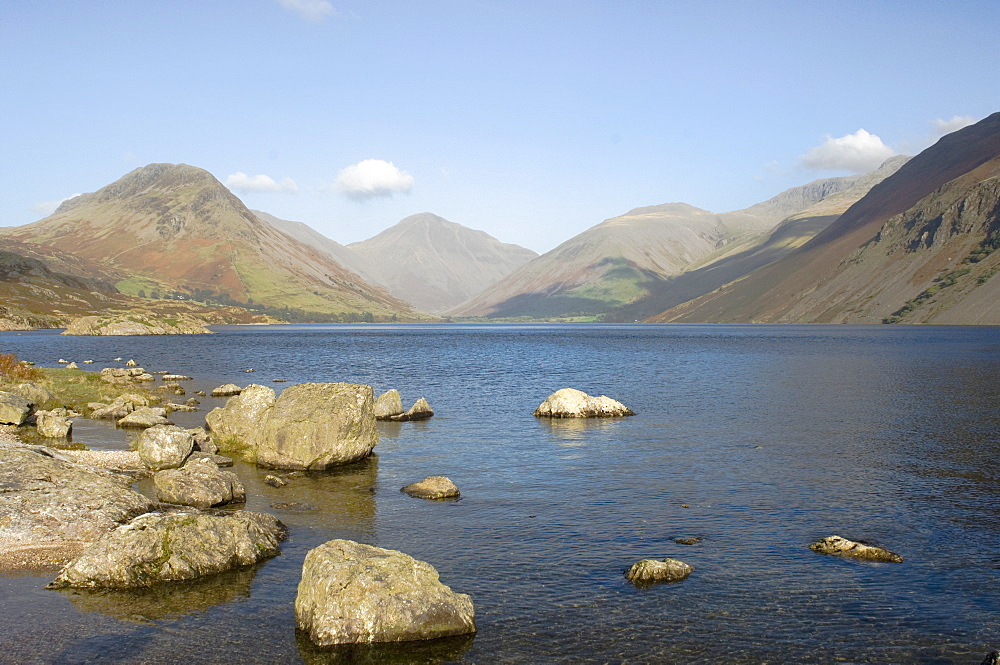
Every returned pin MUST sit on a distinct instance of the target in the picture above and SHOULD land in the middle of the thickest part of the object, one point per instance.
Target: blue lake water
(759, 439)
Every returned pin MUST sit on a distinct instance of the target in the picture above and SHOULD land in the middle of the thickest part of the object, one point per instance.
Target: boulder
(52, 508)
(844, 547)
(388, 404)
(226, 390)
(650, 571)
(992, 658)
(164, 447)
(420, 410)
(33, 392)
(131, 363)
(241, 416)
(317, 425)
(52, 425)
(72, 366)
(175, 546)
(432, 487)
(199, 483)
(274, 481)
(203, 441)
(355, 593)
(14, 409)
(571, 403)
(145, 416)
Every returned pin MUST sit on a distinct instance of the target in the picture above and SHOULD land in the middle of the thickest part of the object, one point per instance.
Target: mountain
(307, 235)
(175, 229)
(625, 259)
(435, 264)
(918, 248)
(790, 234)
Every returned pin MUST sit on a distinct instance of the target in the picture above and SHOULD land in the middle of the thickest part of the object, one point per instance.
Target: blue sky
(530, 120)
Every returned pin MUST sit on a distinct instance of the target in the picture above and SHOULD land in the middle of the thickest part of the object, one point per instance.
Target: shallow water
(760, 439)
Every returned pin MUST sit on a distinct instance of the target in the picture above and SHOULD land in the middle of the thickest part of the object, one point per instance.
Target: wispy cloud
(859, 152)
(311, 10)
(259, 183)
(372, 178)
(46, 208)
(942, 127)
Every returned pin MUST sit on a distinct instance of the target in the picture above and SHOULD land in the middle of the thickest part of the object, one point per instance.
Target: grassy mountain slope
(869, 266)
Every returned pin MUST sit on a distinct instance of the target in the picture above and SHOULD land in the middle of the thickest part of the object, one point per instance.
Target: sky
(532, 121)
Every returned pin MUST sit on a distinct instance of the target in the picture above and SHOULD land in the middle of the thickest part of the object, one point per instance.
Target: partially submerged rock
(355, 593)
(165, 547)
(145, 416)
(844, 547)
(388, 404)
(164, 446)
(52, 425)
(572, 403)
(14, 409)
(420, 410)
(650, 571)
(226, 390)
(241, 416)
(432, 487)
(199, 483)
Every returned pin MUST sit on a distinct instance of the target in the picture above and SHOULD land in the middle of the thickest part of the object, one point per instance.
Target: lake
(758, 439)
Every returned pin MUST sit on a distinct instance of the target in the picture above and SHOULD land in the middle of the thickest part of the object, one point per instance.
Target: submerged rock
(420, 410)
(274, 481)
(844, 547)
(199, 483)
(165, 547)
(388, 404)
(572, 403)
(651, 571)
(432, 487)
(355, 593)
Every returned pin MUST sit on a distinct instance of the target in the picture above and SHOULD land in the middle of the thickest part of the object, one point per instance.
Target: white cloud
(859, 152)
(259, 183)
(46, 208)
(311, 10)
(372, 178)
(942, 127)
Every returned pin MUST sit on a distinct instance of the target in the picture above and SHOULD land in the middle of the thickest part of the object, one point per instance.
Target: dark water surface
(771, 436)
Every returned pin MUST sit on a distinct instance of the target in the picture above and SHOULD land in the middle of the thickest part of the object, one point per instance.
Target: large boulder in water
(355, 593)
(240, 418)
(199, 483)
(166, 547)
(317, 425)
(164, 446)
(571, 403)
(14, 409)
(844, 547)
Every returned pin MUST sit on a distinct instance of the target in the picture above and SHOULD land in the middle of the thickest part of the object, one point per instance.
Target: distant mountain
(918, 248)
(174, 228)
(433, 263)
(790, 234)
(307, 235)
(627, 259)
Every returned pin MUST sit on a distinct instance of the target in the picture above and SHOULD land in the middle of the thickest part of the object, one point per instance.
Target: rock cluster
(572, 403)
(420, 410)
(136, 323)
(356, 593)
(844, 547)
(389, 406)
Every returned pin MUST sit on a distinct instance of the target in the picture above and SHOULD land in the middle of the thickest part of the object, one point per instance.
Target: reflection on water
(165, 601)
(576, 431)
(427, 652)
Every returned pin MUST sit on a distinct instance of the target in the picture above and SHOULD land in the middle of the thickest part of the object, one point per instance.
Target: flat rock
(226, 390)
(652, 571)
(572, 403)
(355, 593)
(144, 416)
(175, 546)
(199, 483)
(843, 547)
(432, 487)
(176, 377)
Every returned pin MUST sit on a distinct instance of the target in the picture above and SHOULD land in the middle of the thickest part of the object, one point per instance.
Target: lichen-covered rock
(844, 547)
(203, 441)
(420, 410)
(136, 323)
(199, 483)
(164, 447)
(52, 425)
(145, 416)
(314, 426)
(51, 508)
(651, 571)
(14, 409)
(355, 593)
(571, 403)
(227, 390)
(33, 392)
(241, 416)
(165, 547)
(433, 487)
(388, 404)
